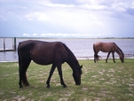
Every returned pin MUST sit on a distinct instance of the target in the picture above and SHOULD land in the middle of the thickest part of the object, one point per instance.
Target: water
(82, 48)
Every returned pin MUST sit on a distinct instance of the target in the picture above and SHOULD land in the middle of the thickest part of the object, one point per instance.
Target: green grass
(100, 82)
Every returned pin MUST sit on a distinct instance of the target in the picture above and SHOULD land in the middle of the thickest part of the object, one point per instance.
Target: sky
(67, 18)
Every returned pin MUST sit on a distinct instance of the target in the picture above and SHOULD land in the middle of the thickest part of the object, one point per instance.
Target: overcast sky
(67, 18)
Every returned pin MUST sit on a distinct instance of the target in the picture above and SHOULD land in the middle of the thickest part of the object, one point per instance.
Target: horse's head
(122, 58)
(77, 75)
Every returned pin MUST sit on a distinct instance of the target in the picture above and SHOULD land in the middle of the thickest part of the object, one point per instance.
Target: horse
(109, 47)
(45, 53)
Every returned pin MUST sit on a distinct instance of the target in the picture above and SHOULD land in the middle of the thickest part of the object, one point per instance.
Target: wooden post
(14, 43)
(4, 44)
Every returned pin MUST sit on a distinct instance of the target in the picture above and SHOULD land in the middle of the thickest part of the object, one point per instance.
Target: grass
(100, 82)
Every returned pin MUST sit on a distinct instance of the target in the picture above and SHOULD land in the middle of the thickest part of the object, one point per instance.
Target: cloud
(40, 16)
(35, 34)
(3, 18)
(71, 20)
(26, 35)
(67, 18)
(130, 11)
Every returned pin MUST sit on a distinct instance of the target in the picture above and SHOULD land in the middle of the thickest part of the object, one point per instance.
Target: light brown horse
(110, 47)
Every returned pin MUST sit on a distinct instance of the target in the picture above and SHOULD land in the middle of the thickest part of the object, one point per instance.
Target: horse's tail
(19, 54)
(19, 62)
(96, 56)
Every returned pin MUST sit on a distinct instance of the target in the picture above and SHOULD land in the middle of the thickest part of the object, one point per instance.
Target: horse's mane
(119, 49)
(70, 53)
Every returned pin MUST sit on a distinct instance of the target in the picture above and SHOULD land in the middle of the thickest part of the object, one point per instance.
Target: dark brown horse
(45, 53)
(110, 47)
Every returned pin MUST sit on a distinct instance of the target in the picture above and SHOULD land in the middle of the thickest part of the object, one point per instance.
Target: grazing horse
(110, 47)
(45, 53)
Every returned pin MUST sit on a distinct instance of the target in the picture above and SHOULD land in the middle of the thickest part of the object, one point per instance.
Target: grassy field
(100, 82)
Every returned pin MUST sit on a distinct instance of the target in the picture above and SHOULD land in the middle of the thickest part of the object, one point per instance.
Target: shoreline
(89, 58)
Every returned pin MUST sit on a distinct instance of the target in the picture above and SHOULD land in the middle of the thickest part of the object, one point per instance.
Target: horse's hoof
(27, 85)
(64, 86)
(48, 86)
(21, 87)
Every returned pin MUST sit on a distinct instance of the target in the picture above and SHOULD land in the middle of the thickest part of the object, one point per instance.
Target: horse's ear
(81, 66)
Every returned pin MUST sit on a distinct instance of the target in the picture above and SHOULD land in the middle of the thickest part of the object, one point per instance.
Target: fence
(7, 44)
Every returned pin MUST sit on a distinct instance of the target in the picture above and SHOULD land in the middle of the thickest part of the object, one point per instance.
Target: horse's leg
(95, 58)
(107, 56)
(22, 70)
(61, 76)
(95, 53)
(20, 83)
(50, 75)
(113, 57)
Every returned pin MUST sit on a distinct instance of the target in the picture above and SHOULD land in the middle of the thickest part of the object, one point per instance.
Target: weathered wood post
(4, 47)
(14, 43)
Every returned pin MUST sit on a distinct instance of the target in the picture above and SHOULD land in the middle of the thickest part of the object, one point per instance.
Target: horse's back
(25, 47)
(43, 52)
(34, 44)
(103, 43)
(104, 46)
(97, 46)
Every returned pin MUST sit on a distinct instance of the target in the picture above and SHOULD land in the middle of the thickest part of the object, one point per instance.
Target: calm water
(82, 48)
